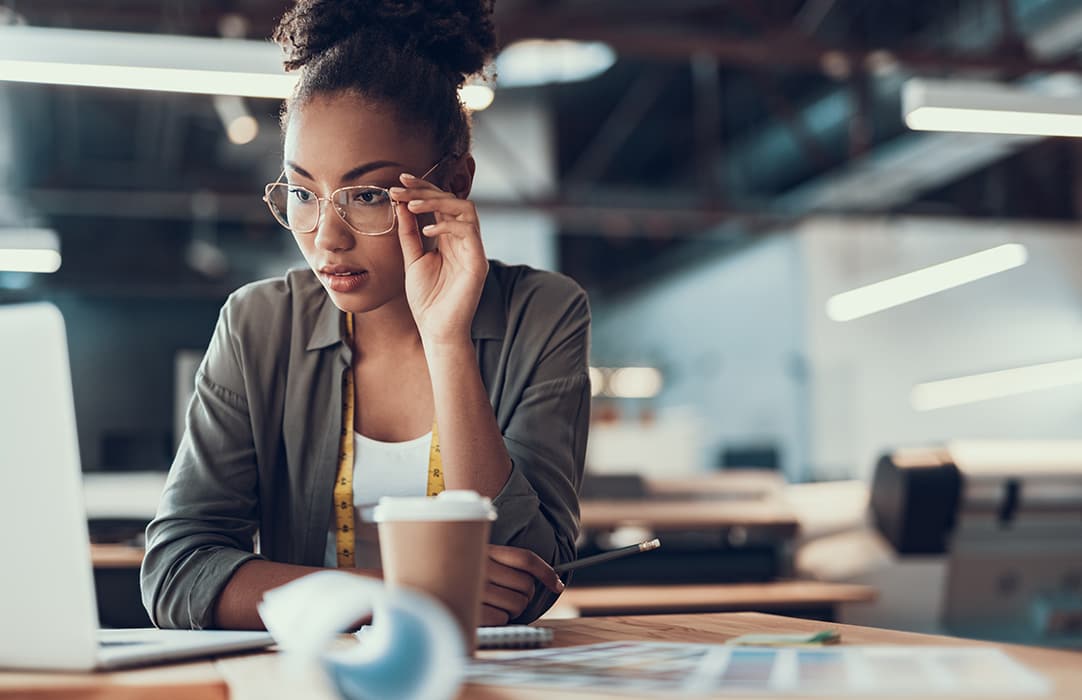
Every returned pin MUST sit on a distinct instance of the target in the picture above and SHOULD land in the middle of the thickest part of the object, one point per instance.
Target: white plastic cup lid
(449, 505)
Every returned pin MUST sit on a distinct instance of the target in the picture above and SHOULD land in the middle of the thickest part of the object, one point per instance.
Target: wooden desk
(116, 556)
(264, 677)
(724, 500)
(702, 598)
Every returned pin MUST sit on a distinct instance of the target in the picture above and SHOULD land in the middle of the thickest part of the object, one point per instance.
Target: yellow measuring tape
(345, 524)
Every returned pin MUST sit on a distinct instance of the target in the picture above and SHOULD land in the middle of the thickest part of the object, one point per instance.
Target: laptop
(48, 610)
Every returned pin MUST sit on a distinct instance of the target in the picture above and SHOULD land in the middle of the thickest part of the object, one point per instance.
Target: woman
(401, 363)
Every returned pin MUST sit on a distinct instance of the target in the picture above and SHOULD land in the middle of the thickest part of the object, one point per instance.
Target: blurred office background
(716, 174)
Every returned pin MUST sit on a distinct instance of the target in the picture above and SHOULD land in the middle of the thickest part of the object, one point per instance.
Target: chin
(356, 302)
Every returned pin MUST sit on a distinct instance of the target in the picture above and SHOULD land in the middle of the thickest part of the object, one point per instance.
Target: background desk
(811, 599)
(262, 676)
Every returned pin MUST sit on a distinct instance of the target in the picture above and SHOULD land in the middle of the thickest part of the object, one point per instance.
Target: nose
(332, 234)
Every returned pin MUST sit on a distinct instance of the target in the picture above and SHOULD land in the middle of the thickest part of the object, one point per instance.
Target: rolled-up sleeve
(546, 440)
(208, 515)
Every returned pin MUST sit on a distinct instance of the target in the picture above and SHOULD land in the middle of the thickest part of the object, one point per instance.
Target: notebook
(513, 637)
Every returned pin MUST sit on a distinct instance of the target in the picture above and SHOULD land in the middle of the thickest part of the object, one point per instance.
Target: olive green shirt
(260, 452)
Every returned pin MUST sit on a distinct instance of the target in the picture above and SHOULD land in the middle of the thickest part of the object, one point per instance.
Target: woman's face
(341, 140)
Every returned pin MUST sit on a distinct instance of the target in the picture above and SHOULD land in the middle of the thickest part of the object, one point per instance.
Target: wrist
(447, 345)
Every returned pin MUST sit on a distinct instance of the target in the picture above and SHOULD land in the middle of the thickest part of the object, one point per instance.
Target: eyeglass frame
(330, 199)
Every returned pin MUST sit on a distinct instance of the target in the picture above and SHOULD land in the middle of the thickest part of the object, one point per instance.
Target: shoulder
(269, 307)
(526, 290)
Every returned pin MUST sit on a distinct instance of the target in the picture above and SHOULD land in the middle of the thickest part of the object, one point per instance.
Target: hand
(442, 285)
(512, 574)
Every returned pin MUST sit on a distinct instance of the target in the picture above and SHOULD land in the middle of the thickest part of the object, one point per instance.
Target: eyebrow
(352, 174)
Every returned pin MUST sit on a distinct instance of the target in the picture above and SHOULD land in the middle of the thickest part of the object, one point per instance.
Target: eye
(301, 194)
(369, 197)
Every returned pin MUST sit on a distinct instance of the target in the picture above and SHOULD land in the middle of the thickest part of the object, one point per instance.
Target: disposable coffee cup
(439, 546)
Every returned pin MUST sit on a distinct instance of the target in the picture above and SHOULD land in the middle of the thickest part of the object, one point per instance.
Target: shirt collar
(489, 321)
(329, 328)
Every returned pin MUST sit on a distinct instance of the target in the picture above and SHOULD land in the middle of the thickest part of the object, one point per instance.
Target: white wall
(747, 349)
(862, 371)
(726, 336)
(10, 212)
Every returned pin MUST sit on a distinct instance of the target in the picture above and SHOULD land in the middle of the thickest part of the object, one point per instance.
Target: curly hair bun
(458, 36)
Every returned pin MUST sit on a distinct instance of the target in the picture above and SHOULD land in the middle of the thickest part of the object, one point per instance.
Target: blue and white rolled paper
(413, 649)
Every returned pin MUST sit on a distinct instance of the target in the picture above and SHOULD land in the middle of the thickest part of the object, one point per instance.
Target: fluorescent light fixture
(921, 283)
(634, 383)
(133, 61)
(989, 108)
(29, 250)
(476, 97)
(543, 61)
(162, 62)
(993, 385)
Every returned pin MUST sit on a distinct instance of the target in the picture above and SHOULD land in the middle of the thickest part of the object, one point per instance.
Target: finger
(455, 229)
(408, 236)
(508, 577)
(493, 617)
(512, 602)
(527, 561)
(461, 209)
(405, 194)
(413, 181)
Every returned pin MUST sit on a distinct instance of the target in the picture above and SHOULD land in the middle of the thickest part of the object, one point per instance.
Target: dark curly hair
(412, 55)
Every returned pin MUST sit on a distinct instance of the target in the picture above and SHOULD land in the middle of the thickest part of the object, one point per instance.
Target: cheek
(306, 244)
(384, 255)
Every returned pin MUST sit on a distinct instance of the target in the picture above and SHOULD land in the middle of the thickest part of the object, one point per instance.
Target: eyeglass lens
(366, 209)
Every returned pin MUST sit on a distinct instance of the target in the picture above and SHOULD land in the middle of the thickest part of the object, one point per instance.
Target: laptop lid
(47, 602)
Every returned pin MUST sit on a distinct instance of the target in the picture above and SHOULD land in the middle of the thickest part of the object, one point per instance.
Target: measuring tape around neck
(344, 516)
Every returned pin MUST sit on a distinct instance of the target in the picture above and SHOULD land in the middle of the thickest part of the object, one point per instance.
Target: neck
(390, 327)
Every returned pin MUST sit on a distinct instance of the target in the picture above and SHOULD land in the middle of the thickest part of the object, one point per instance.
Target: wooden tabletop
(710, 501)
(684, 514)
(266, 677)
(714, 597)
(116, 556)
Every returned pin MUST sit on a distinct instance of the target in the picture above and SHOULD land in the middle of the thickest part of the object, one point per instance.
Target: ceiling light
(161, 62)
(634, 383)
(476, 97)
(543, 61)
(597, 380)
(240, 126)
(921, 283)
(989, 108)
(29, 250)
(133, 61)
(994, 385)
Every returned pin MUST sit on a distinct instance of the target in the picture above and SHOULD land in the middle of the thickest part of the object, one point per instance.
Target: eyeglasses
(368, 210)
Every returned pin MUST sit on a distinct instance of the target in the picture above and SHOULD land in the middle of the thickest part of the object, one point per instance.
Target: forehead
(329, 135)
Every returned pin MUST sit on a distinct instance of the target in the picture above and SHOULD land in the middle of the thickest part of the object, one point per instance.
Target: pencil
(606, 556)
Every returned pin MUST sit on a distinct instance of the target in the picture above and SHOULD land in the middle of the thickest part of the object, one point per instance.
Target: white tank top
(380, 469)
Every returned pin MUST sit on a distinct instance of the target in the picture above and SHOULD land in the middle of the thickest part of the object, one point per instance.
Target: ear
(461, 181)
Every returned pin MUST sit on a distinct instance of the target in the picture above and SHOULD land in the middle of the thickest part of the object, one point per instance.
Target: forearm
(236, 606)
(471, 445)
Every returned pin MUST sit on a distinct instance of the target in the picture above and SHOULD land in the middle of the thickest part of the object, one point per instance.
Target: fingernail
(428, 228)
(560, 586)
(397, 190)
(407, 175)
(413, 203)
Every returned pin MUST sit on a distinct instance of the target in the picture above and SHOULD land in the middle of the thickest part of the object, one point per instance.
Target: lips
(340, 270)
(343, 278)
